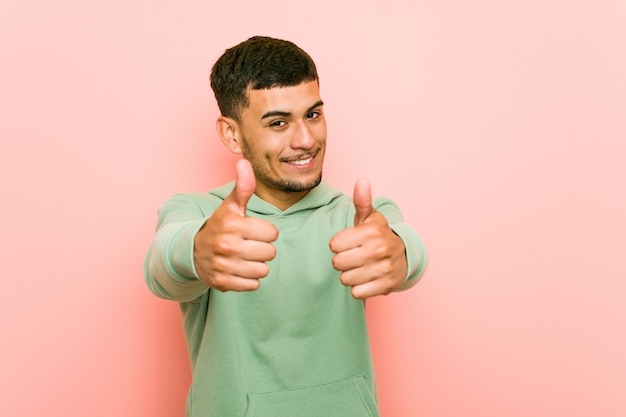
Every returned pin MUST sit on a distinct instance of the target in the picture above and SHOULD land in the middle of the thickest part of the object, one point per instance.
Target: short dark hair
(258, 63)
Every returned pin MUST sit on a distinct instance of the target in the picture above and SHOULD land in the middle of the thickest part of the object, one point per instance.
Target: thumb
(362, 200)
(245, 185)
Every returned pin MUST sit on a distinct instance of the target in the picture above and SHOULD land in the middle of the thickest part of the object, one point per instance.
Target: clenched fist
(231, 250)
(370, 256)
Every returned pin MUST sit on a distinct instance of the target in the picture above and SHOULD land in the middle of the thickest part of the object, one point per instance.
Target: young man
(271, 271)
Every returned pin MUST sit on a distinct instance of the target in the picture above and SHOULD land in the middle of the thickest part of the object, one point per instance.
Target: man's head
(257, 64)
(272, 113)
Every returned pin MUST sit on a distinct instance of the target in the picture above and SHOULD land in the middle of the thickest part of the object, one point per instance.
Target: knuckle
(387, 287)
(264, 270)
(272, 252)
(216, 282)
(380, 251)
(357, 294)
(219, 264)
(223, 245)
(387, 267)
(336, 263)
(371, 230)
(220, 244)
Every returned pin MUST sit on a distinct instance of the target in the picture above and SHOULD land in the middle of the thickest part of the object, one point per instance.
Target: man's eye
(313, 115)
(278, 123)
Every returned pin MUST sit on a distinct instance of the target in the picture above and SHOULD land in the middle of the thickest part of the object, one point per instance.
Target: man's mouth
(302, 161)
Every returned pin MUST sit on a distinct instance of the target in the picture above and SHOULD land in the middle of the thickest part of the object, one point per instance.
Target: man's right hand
(231, 250)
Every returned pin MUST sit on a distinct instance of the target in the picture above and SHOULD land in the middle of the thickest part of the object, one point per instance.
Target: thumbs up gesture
(231, 250)
(370, 256)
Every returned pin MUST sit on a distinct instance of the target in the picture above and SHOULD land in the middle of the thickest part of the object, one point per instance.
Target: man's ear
(228, 131)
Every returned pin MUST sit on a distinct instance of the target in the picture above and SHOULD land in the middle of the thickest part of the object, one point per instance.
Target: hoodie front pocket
(347, 398)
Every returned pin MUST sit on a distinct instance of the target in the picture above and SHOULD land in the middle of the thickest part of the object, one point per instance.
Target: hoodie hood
(319, 196)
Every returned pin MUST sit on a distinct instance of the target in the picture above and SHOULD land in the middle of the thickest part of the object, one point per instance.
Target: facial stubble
(262, 173)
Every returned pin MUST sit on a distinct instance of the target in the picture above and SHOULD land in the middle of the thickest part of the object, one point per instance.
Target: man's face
(283, 135)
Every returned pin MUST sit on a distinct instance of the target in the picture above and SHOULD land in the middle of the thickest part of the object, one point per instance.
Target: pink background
(499, 127)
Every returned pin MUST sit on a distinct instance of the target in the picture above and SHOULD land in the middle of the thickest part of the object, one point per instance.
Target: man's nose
(302, 137)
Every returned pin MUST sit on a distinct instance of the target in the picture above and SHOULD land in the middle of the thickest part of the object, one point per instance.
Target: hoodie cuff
(181, 251)
(416, 257)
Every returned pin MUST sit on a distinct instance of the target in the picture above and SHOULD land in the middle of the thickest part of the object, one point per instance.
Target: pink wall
(499, 127)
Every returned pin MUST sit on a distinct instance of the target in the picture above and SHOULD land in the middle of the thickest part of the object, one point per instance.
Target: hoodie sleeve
(417, 259)
(169, 268)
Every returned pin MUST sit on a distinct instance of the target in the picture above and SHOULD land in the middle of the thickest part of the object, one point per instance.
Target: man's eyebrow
(317, 104)
(275, 113)
(287, 114)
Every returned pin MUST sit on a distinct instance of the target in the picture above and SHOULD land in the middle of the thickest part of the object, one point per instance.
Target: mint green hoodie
(297, 346)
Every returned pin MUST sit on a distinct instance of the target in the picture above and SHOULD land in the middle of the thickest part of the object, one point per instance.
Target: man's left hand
(370, 256)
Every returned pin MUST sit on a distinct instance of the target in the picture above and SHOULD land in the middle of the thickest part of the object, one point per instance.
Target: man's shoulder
(195, 203)
(215, 194)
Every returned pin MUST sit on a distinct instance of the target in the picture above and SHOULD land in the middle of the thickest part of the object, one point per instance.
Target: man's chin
(299, 186)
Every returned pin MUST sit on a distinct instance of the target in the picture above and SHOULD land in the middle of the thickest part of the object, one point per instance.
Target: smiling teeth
(303, 161)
